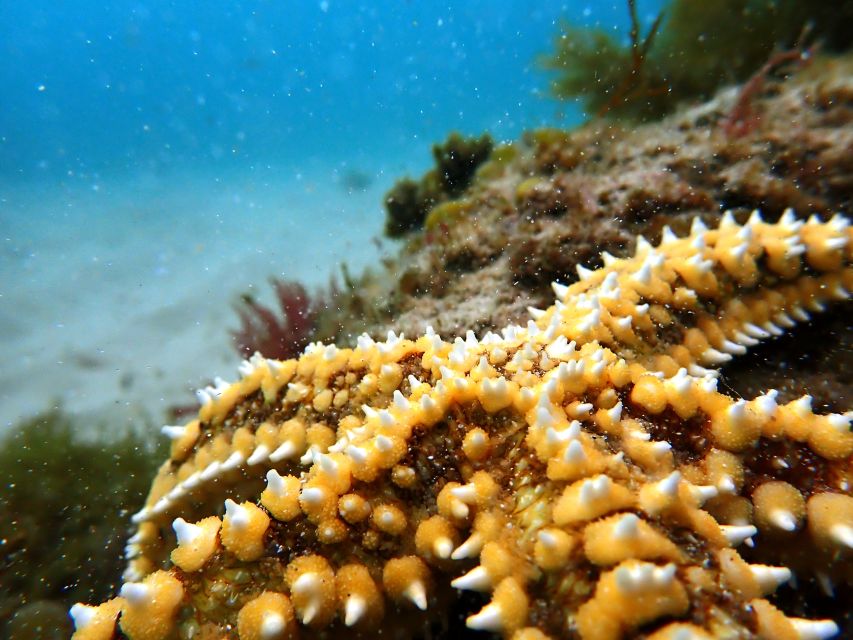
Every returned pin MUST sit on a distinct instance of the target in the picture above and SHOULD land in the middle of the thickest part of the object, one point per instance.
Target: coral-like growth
(456, 161)
(63, 505)
(273, 335)
(693, 50)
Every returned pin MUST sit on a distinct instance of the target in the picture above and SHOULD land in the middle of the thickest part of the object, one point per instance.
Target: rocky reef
(612, 180)
(557, 199)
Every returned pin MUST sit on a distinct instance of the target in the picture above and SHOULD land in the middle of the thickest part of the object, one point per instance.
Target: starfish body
(583, 472)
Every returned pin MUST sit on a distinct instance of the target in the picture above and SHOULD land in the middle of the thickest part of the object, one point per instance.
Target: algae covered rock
(409, 201)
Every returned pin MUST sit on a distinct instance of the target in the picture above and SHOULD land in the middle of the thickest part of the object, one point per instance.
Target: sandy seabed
(116, 297)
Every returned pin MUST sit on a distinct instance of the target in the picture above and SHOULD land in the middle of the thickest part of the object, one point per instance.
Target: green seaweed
(456, 161)
(499, 159)
(65, 507)
(695, 48)
(408, 202)
(447, 213)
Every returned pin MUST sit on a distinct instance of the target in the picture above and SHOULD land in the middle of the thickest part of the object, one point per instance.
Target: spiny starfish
(583, 471)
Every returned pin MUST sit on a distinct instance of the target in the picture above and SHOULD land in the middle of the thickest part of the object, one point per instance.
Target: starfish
(582, 472)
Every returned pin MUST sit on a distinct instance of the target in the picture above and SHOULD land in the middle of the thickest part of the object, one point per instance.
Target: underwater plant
(409, 201)
(274, 335)
(64, 506)
(338, 311)
(457, 159)
(277, 334)
(690, 50)
(743, 117)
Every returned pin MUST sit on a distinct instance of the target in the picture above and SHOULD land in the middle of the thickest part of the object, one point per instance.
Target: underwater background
(184, 183)
(157, 159)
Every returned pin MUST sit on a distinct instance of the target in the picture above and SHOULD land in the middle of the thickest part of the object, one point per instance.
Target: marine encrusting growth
(583, 471)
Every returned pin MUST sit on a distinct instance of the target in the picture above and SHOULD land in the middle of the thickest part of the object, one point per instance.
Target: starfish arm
(698, 301)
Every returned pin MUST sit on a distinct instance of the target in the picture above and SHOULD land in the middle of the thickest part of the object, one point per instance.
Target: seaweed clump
(409, 201)
(689, 51)
(277, 335)
(65, 508)
(335, 313)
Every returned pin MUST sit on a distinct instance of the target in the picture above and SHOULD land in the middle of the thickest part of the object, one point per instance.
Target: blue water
(159, 158)
(102, 87)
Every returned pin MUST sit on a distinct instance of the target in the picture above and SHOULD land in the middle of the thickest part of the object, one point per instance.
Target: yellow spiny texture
(582, 472)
